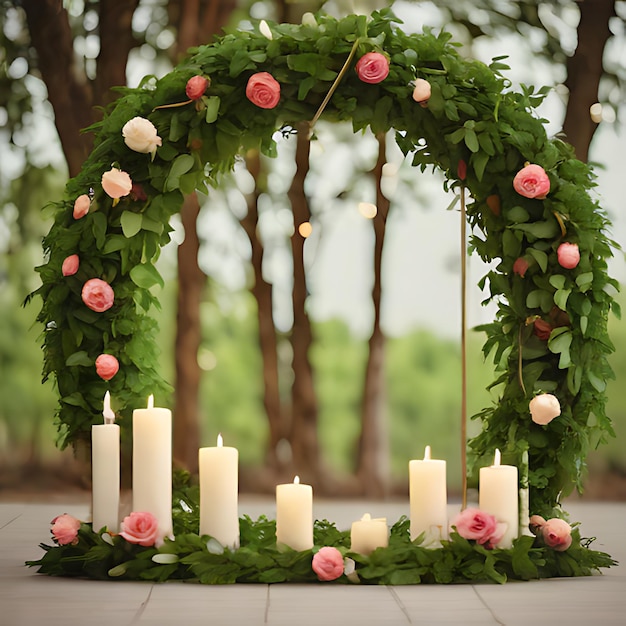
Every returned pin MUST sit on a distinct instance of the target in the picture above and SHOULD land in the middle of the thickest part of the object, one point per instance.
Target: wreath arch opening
(530, 210)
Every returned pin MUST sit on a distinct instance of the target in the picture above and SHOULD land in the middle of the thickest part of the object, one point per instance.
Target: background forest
(264, 326)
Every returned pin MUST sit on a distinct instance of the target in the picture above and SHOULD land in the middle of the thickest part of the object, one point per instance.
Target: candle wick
(109, 419)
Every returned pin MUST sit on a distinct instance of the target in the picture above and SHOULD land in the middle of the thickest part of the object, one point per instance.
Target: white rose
(140, 135)
(544, 408)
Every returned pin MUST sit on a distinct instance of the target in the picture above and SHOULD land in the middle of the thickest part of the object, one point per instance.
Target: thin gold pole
(463, 348)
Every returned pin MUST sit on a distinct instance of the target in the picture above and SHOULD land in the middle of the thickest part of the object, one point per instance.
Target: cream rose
(421, 91)
(116, 183)
(544, 408)
(140, 135)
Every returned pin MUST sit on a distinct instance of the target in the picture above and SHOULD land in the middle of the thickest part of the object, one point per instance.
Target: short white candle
(152, 464)
(294, 515)
(428, 498)
(498, 496)
(105, 471)
(367, 534)
(219, 486)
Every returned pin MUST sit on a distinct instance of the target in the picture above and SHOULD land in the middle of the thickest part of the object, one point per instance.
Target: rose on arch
(65, 529)
(493, 202)
(70, 265)
(372, 67)
(568, 255)
(196, 86)
(542, 329)
(520, 267)
(140, 135)
(476, 525)
(461, 169)
(81, 206)
(421, 91)
(116, 183)
(98, 295)
(140, 527)
(557, 534)
(263, 90)
(328, 563)
(107, 366)
(532, 182)
(544, 408)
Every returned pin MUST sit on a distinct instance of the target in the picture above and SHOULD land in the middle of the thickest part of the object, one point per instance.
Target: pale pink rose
(461, 169)
(544, 408)
(479, 526)
(557, 534)
(81, 206)
(196, 86)
(70, 265)
(140, 135)
(263, 90)
(532, 182)
(568, 255)
(520, 267)
(328, 563)
(98, 295)
(421, 91)
(536, 523)
(65, 529)
(116, 183)
(107, 366)
(372, 67)
(140, 527)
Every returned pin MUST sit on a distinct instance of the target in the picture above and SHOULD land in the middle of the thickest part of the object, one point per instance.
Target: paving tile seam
(144, 605)
(11, 521)
(400, 604)
(486, 605)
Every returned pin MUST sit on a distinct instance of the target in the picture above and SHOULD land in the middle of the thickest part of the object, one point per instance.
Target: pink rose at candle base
(544, 408)
(81, 206)
(532, 182)
(421, 92)
(142, 528)
(372, 67)
(328, 563)
(568, 255)
(476, 525)
(116, 183)
(70, 265)
(556, 534)
(196, 86)
(107, 366)
(98, 295)
(65, 529)
(263, 90)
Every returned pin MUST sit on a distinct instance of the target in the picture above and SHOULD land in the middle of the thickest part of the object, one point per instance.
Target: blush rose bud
(98, 295)
(520, 267)
(196, 86)
(81, 206)
(141, 528)
(568, 255)
(65, 529)
(263, 90)
(421, 91)
(70, 265)
(372, 67)
(116, 183)
(328, 563)
(544, 408)
(557, 534)
(532, 182)
(107, 366)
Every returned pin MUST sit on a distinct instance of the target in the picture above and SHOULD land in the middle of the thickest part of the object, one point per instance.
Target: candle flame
(220, 441)
(107, 413)
(427, 453)
(366, 518)
(496, 458)
(296, 480)
(150, 401)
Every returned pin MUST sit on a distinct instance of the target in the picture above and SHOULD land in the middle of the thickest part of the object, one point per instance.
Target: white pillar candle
(367, 534)
(105, 471)
(219, 516)
(152, 464)
(294, 515)
(498, 496)
(428, 498)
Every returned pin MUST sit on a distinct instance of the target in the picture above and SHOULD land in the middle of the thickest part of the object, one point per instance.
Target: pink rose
(480, 526)
(116, 183)
(461, 169)
(107, 366)
(372, 67)
(328, 563)
(263, 90)
(140, 527)
(65, 529)
(98, 295)
(520, 267)
(70, 265)
(493, 202)
(544, 408)
(137, 193)
(196, 86)
(421, 91)
(81, 206)
(556, 534)
(536, 523)
(568, 255)
(542, 329)
(532, 182)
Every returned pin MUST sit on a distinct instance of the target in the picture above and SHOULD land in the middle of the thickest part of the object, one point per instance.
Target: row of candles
(218, 470)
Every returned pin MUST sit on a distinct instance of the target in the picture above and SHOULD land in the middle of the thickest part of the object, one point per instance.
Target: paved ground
(27, 598)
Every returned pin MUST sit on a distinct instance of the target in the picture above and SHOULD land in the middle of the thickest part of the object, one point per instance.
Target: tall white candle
(105, 471)
(219, 485)
(294, 515)
(498, 496)
(367, 534)
(428, 498)
(152, 464)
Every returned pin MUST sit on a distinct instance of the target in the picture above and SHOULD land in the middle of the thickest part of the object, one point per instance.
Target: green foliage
(470, 117)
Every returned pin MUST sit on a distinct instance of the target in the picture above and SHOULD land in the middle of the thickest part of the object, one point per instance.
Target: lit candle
(105, 471)
(367, 534)
(219, 483)
(428, 499)
(498, 496)
(294, 515)
(152, 464)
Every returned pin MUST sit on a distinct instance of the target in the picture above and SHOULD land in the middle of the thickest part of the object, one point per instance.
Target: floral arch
(545, 231)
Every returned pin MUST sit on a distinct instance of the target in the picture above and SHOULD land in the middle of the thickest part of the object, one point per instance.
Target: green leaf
(597, 383)
(471, 141)
(560, 298)
(146, 276)
(557, 281)
(79, 358)
(584, 281)
(539, 256)
(540, 230)
(212, 108)
(180, 165)
(131, 223)
(560, 342)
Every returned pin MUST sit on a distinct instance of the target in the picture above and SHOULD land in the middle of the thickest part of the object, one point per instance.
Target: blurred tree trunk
(584, 71)
(373, 452)
(304, 409)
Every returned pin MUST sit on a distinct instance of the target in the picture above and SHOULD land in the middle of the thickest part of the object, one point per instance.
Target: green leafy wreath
(530, 211)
